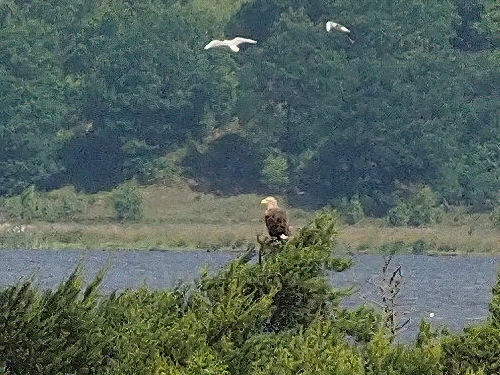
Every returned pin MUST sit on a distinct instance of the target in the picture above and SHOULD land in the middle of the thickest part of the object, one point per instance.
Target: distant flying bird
(276, 220)
(232, 44)
(338, 27)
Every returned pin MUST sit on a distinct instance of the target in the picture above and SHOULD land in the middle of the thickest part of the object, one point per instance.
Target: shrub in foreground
(53, 332)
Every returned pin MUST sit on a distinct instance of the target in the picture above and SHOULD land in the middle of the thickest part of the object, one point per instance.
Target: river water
(456, 290)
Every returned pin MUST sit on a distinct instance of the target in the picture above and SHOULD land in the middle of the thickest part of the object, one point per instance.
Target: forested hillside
(95, 92)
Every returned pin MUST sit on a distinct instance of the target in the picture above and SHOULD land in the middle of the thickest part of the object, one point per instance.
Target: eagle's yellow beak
(263, 201)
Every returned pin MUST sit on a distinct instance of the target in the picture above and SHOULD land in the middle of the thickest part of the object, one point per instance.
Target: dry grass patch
(447, 238)
(147, 236)
(181, 205)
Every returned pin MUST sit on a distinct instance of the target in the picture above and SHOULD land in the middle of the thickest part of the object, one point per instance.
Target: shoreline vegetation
(177, 218)
(278, 316)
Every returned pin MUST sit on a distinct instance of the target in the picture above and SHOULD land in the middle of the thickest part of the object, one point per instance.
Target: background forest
(95, 92)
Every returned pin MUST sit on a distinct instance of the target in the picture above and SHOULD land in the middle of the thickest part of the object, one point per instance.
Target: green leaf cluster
(59, 204)
(127, 202)
(477, 349)
(418, 209)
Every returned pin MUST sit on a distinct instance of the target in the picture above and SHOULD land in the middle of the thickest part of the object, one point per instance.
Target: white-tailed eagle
(276, 219)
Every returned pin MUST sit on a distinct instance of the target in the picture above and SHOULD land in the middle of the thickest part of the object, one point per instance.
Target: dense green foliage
(65, 204)
(127, 202)
(418, 208)
(351, 210)
(94, 92)
(280, 316)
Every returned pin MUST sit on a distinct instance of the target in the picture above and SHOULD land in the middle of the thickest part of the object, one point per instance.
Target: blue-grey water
(125, 269)
(456, 290)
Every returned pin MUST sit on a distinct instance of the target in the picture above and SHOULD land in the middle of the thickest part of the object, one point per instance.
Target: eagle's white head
(270, 202)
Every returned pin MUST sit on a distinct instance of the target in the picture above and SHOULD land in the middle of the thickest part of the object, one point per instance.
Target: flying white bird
(232, 44)
(338, 27)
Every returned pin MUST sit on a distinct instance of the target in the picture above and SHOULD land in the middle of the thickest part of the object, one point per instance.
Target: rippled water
(126, 269)
(456, 289)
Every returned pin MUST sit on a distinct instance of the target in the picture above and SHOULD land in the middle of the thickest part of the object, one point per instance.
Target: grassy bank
(362, 238)
(177, 217)
(375, 236)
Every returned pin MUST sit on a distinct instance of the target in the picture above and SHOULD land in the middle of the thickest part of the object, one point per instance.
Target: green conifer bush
(351, 210)
(52, 332)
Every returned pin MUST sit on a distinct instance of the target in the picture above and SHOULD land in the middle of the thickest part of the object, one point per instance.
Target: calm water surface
(456, 289)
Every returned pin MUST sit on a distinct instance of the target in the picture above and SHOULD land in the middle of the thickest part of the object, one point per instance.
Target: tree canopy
(92, 92)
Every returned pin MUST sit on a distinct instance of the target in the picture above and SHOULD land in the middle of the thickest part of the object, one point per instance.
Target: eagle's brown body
(276, 219)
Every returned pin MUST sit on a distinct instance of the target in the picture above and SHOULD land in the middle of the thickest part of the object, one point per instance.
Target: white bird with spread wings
(338, 27)
(232, 44)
